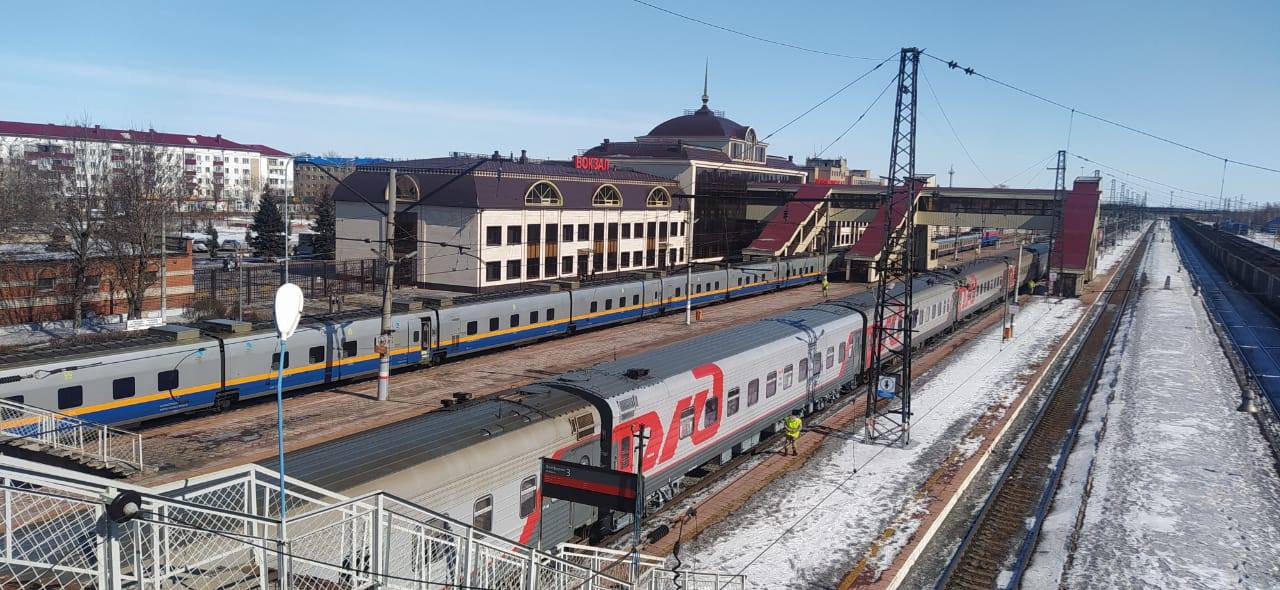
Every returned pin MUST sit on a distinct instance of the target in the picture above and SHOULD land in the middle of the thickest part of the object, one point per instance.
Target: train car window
(731, 405)
(771, 384)
(514, 320)
(533, 317)
(482, 513)
(844, 354)
(17, 399)
(122, 388)
(70, 397)
(717, 285)
(472, 328)
(167, 380)
(584, 425)
(635, 299)
(698, 289)
(528, 496)
(350, 348)
(275, 361)
(710, 411)
(817, 363)
(493, 324)
(788, 377)
(804, 370)
(417, 335)
(608, 304)
(677, 291)
(551, 313)
(315, 355)
(739, 281)
(831, 356)
(753, 392)
(686, 423)
(622, 302)
(595, 307)
(624, 453)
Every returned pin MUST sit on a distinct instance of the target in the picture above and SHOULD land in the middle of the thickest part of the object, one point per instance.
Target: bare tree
(73, 181)
(138, 197)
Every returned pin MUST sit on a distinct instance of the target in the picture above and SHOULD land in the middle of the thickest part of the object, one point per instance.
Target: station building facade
(509, 222)
(715, 159)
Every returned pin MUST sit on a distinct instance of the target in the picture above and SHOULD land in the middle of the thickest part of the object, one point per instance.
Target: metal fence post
(533, 569)
(469, 556)
(376, 556)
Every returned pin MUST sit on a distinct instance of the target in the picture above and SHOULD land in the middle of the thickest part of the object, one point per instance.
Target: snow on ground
(823, 518)
(1184, 489)
(1268, 240)
(1112, 255)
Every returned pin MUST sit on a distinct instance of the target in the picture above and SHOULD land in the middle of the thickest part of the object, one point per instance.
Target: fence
(254, 285)
(93, 444)
(220, 531)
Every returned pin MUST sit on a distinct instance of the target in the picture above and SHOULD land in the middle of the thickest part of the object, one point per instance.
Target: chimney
(524, 158)
(495, 156)
(218, 139)
(790, 158)
(97, 128)
(606, 142)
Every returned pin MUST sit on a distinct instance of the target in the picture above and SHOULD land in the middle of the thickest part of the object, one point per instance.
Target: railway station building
(509, 222)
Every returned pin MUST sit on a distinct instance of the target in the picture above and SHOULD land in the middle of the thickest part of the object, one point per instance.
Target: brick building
(36, 284)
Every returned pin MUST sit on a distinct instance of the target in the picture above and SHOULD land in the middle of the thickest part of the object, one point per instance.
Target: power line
(860, 117)
(1039, 162)
(833, 95)
(971, 72)
(750, 36)
(953, 129)
(1140, 177)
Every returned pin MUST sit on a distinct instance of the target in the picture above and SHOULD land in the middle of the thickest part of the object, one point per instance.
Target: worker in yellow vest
(793, 424)
(824, 286)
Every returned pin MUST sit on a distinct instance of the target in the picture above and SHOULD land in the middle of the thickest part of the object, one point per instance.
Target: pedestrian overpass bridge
(806, 217)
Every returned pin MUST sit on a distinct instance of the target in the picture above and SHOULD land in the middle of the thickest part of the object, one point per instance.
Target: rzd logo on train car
(693, 418)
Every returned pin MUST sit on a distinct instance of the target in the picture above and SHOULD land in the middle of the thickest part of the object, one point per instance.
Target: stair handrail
(56, 430)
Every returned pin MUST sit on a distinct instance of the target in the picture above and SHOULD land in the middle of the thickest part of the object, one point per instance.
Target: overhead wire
(751, 36)
(828, 98)
(860, 117)
(952, 64)
(938, 102)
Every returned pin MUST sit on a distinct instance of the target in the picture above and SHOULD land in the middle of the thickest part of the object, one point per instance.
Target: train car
(219, 366)
(705, 399)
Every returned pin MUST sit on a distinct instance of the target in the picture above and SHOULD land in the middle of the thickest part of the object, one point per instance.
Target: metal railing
(220, 531)
(653, 574)
(82, 440)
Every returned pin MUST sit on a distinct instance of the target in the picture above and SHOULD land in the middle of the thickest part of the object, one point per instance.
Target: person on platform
(793, 424)
(825, 284)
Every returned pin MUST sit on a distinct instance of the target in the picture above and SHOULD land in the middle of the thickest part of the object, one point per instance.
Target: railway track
(997, 546)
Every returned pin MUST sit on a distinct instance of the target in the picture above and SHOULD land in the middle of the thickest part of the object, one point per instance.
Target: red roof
(780, 226)
(1079, 220)
(871, 244)
(268, 150)
(150, 136)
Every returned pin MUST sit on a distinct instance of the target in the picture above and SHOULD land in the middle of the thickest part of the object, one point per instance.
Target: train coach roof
(607, 380)
(97, 345)
(351, 461)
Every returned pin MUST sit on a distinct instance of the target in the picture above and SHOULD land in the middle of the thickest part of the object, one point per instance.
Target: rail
(91, 443)
(222, 531)
(971, 566)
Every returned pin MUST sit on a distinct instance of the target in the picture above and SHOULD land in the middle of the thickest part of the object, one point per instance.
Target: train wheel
(224, 400)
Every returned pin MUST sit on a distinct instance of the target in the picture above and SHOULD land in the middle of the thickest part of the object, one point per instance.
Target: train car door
(457, 332)
(428, 334)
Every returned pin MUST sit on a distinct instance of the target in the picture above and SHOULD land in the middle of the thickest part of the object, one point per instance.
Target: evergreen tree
(325, 228)
(212, 241)
(267, 228)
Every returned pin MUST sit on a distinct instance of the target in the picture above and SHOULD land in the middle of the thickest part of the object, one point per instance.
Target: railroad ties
(998, 544)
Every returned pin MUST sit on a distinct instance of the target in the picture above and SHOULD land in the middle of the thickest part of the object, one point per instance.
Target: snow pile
(1184, 490)
(1112, 255)
(808, 529)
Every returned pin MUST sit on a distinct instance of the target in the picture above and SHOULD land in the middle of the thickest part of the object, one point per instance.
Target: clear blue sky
(424, 78)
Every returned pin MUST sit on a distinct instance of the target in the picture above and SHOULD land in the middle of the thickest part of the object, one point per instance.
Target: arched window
(543, 194)
(750, 135)
(607, 196)
(658, 197)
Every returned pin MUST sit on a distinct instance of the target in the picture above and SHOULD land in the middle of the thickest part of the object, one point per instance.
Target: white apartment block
(217, 173)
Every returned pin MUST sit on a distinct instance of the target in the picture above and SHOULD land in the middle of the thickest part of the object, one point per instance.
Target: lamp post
(288, 312)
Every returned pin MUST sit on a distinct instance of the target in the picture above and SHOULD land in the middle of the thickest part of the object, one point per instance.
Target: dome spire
(706, 69)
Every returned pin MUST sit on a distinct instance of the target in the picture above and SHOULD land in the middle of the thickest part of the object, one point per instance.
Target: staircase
(75, 440)
(793, 227)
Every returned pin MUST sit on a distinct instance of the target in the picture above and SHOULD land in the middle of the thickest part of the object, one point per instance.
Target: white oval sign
(288, 309)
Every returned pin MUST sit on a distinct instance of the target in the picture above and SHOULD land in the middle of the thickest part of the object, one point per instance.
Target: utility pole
(688, 264)
(641, 433)
(164, 264)
(892, 331)
(389, 266)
